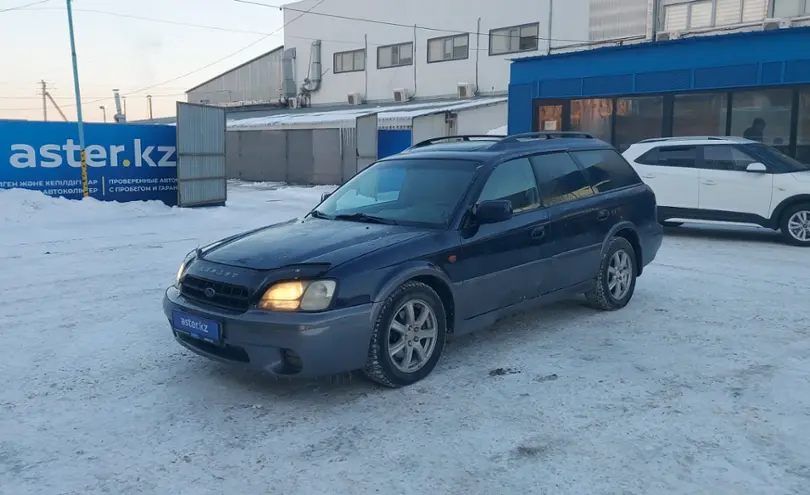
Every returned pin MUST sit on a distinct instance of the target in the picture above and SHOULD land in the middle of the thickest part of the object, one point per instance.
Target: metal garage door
(201, 178)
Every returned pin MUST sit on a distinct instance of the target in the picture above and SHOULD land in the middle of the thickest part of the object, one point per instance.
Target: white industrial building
(257, 81)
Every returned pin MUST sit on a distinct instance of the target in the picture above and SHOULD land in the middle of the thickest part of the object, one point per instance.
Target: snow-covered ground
(700, 386)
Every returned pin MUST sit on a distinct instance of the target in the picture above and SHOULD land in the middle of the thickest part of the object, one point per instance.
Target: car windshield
(790, 164)
(407, 191)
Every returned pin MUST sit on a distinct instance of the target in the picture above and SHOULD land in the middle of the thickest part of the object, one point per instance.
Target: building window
(638, 118)
(803, 130)
(449, 48)
(353, 61)
(763, 116)
(514, 39)
(790, 8)
(395, 55)
(593, 116)
(701, 114)
(697, 14)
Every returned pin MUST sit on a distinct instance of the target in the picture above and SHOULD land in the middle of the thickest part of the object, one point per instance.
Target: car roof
(696, 140)
(492, 147)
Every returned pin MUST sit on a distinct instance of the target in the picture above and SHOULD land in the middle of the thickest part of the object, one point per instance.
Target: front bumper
(285, 344)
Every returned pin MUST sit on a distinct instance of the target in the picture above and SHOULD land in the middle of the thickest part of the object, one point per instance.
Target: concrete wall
(571, 26)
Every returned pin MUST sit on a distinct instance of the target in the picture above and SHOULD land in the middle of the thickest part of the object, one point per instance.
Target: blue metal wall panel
(700, 63)
(392, 141)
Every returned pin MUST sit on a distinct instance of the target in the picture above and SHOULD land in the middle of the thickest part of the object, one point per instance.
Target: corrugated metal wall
(257, 80)
(299, 156)
(612, 19)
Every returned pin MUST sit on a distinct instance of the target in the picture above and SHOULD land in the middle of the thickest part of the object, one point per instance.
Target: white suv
(726, 179)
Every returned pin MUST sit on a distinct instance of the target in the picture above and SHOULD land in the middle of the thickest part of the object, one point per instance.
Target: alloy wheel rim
(412, 336)
(799, 226)
(620, 274)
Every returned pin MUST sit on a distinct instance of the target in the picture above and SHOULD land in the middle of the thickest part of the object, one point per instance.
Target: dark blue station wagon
(443, 238)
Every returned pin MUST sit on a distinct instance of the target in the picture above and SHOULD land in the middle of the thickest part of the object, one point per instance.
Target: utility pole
(85, 185)
(149, 105)
(44, 100)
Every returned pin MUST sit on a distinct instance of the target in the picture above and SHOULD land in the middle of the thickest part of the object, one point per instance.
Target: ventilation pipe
(312, 82)
(288, 74)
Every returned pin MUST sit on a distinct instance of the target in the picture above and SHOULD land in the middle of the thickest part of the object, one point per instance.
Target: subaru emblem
(210, 293)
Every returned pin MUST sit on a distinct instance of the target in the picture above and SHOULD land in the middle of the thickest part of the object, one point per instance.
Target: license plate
(194, 326)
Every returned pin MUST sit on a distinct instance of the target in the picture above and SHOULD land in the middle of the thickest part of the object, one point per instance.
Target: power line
(397, 24)
(22, 7)
(230, 55)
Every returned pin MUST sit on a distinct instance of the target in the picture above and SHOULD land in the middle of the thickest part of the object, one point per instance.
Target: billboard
(125, 162)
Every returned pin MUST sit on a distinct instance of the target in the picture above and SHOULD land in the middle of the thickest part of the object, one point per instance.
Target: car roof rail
(545, 135)
(688, 138)
(465, 137)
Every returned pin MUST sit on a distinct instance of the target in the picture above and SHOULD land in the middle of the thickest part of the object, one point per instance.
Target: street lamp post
(85, 186)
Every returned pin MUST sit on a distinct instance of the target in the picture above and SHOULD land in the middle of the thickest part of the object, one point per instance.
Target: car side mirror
(495, 211)
(756, 167)
(324, 196)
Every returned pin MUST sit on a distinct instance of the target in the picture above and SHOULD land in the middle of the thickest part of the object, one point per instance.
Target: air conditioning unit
(667, 35)
(465, 90)
(355, 98)
(401, 95)
(773, 24)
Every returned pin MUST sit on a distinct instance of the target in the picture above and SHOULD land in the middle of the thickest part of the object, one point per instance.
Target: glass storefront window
(593, 116)
(763, 116)
(701, 114)
(637, 119)
(803, 130)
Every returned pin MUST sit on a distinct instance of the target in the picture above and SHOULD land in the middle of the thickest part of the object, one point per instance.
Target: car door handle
(538, 233)
(648, 176)
(709, 182)
(602, 215)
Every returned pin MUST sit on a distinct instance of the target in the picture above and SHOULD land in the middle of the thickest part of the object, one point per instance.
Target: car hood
(309, 241)
(802, 176)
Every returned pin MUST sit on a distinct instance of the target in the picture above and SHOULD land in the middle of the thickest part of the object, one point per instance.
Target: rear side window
(559, 178)
(670, 156)
(606, 170)
(513, 180)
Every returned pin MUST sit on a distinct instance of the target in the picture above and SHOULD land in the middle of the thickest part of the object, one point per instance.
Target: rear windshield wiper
(364, 217)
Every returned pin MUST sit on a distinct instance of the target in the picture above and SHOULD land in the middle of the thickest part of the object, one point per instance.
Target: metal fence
(298, 156)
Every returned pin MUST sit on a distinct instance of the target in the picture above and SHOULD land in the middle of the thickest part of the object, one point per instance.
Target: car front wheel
(408, 337)
(616, 281)
(796, 225)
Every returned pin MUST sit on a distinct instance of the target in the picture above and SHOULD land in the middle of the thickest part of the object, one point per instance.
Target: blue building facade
(754, 84)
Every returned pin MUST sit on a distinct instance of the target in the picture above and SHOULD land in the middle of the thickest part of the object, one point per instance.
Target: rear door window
(606, 169)
(559, 178)
(670, 156)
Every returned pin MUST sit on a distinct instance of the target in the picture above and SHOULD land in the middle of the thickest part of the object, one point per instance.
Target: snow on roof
(390, 116)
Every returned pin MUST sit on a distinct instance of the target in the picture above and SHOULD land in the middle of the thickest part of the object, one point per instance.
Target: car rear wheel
(616, 281)
(408, 337)
(795, 225)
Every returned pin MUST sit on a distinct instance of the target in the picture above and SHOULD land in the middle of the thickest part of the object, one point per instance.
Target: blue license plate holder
(197, 327)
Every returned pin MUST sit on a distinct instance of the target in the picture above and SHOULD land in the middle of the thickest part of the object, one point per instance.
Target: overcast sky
(124, 53)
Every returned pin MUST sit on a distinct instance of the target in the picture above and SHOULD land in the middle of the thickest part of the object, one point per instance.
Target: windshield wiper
(318, 214)
(364, 217)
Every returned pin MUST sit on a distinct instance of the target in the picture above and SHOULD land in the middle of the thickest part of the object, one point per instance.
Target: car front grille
(226, 296)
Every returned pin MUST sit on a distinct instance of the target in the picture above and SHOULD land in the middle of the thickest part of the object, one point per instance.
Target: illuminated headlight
(304, 295)
(182, 270)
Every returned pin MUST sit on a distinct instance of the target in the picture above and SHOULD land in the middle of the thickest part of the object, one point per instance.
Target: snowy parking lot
(700, 385)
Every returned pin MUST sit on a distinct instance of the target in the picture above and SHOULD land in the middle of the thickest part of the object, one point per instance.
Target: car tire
(794, 225)
(397, 337)
(618, 260)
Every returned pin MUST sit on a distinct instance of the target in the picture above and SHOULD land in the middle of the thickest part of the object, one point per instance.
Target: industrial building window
(763, 116)
(638, 118)
(514, 39)
(448, 48)
(593, 116)
(790, 8)
(803, 130)
(697, 14)
(353, 61)
(701, 114)
(395, 55)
